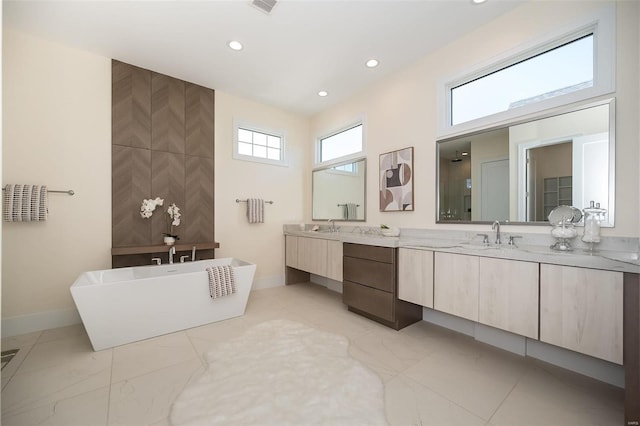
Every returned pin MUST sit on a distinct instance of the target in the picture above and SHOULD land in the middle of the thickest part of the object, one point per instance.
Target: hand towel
(255, 210)
(222, 281)
(352, 211)
(25, 203)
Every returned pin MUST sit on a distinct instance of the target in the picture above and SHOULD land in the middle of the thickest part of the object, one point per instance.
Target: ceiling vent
(264, 5)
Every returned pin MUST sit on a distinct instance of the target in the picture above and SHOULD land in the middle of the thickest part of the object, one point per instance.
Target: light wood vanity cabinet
(291, 251)
(455, 281)
(582, 309)
(508, 295)
(497, 292)
(415, 276)
(312, 255)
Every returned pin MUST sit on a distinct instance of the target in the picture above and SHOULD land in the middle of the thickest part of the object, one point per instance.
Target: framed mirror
(339, 191)
(519, 172)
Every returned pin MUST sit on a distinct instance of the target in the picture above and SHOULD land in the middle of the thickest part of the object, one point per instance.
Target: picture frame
(396, 180)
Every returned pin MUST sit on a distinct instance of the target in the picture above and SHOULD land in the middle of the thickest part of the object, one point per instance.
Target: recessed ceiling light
(478, 1)
(372, 63)
(323, 93)
(235, 45)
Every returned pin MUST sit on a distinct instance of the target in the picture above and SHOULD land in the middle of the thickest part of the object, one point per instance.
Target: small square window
(257, 145)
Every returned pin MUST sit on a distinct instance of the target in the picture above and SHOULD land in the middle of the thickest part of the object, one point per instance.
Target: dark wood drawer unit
(370, 286)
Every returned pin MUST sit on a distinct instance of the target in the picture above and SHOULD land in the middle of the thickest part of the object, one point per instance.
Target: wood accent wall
(162, 146)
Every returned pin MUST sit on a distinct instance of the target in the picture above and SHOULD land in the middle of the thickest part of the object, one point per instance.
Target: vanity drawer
(376, 253)
(375, 302)
(370, 273)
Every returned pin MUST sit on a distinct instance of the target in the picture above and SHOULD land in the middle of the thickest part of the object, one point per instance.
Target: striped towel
(25, 203)
(255, 210)
(222, 281)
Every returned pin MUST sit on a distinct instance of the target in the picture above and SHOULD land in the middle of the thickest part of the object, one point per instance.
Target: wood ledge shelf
(161, 248)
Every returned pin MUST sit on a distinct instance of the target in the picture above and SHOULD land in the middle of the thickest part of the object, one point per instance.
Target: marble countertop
(621, 255)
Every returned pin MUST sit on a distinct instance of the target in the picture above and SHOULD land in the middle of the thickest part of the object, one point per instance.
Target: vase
(169, 240)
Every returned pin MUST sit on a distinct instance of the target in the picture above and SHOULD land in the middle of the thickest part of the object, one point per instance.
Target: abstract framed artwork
(396, 180)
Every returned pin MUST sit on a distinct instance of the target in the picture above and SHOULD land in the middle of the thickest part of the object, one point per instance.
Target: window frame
(345, 158)
(600, 23)
(239, 124)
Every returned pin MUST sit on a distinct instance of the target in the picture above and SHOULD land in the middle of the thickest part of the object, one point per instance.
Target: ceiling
(302, 47)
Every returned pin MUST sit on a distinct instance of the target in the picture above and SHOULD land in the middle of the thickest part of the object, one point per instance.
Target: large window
(556, 72)
(343, 144)
(258, 145)
(565, 67)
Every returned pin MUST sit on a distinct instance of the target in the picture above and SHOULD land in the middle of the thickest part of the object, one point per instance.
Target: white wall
(400, 111)
(261, 243)
(56, 132)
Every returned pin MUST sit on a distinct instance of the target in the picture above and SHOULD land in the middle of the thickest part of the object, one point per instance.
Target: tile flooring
(432, 376)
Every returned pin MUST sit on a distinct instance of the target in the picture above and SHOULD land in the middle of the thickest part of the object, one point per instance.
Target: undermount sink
(478, 246)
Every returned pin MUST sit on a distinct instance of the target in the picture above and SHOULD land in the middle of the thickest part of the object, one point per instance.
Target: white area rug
(282, 373)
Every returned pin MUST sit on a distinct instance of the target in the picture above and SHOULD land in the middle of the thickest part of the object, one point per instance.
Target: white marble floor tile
(62, 333)
(58, 352)
(10, 369)
(136, 359)
(409, 403)
(48, 384)
(388, 352)
(17, 342)
(147, 399)
(474, 376)
(550, 396)
(86, 409)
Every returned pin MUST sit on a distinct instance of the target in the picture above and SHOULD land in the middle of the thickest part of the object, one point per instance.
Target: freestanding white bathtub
(119, 306)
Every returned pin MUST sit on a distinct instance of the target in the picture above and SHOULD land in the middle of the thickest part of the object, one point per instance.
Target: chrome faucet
(172, 251)
(332, 225)
(496, 227)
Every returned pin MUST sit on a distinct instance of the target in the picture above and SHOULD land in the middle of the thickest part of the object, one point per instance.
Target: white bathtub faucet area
(119, 306)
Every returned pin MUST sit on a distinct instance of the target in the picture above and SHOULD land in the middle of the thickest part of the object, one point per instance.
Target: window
(257, 145)
(556, 72)
(566, 67)
(344, 144)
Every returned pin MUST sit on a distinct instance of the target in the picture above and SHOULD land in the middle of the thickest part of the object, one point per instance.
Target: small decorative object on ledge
(173, 211)
(396, 180)
(593, 216)
(562, 218)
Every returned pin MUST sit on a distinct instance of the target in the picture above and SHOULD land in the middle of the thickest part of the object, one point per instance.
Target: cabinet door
(456, 284)
(415, 276)
(291, 251)
(334, 260)
(581, 309)
(508, 295)
(312, 255)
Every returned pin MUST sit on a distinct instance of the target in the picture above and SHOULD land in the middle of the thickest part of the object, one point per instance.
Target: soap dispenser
(593, 216)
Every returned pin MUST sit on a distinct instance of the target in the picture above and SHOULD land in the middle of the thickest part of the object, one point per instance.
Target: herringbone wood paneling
(167, 113)
(199, 121)
(131, 183)
(167, 117)
(167, 181)
(130, 105)
(199, 199)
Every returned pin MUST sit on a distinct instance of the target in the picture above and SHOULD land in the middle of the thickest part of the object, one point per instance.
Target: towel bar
(244, 201)
(342, 205)
(70, 191)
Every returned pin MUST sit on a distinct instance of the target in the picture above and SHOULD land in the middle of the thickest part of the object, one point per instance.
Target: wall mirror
(339, 191)
(519, 172)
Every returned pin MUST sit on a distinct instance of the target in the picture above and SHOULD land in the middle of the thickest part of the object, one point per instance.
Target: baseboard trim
(14, 326)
